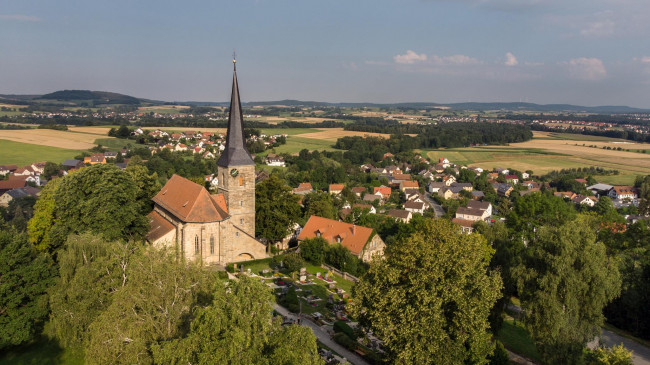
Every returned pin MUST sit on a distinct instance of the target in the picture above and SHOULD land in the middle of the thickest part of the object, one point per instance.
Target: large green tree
(25, 276)
(564, 281)
(276, 209)
(101, 199)
(91, 272)
(429, 299)
(238, 327)
(158, 298)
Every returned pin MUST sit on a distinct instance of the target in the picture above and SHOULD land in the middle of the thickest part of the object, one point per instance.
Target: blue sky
(588, 52)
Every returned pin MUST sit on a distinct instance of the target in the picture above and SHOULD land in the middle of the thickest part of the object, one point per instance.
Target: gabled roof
(158, 226)
(235, 153)
(354, 238)
(399, 213)
(413, 205)
(409, 184)
(475, 204)
(358, 189)
(336, 187)
(383, 190)
(190, 202)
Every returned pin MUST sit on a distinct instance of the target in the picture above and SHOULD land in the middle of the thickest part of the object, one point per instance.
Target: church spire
(235, 153)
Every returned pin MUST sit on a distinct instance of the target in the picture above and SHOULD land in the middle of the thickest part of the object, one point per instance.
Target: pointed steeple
(235, 153)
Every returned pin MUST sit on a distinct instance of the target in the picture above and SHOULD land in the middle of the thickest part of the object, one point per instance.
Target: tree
(616, 355)
(431, 296)
(91, 272)
(319, 204)
(314, 250)
(25, 277)
(276, 209)
(51, 169)
(643, 185)
(101, 199)
(238, 328)
(154, 305)
(535, 210)
(38, 228)
(564, 282)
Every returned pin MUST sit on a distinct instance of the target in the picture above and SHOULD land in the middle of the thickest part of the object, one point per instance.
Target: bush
(616, 355)
(500, 355)
(290, 301)
(345, 341)
(342, 327)
(293, 262)
(314, 250)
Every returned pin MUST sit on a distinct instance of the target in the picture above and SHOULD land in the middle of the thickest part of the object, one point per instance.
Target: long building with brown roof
(363, 242)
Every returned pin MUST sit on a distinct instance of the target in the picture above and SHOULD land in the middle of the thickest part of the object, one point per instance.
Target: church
(214, 229)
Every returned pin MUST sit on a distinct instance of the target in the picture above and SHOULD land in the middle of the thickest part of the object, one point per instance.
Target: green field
(297, 144)
(581, 137)
(23, 153)
(538, 160)
(114, 144)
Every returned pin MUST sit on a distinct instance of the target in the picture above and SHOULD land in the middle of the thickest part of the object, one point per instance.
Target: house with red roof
(362, 242)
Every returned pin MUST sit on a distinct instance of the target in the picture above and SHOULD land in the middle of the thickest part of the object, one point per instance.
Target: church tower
(236, 168)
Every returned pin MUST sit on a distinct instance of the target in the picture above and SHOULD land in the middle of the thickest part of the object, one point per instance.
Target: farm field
(22, 154)
(332, 134)
(52, 138)
(295, 144)
(547, 153)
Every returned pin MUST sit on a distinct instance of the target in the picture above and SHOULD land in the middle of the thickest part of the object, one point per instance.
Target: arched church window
(211, 245)
(196, 244)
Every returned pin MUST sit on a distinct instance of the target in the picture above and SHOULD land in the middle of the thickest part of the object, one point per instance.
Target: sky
(585, 52)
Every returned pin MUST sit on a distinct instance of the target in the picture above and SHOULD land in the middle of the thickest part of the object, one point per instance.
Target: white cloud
(511, 60)
(645, 59)
(600, 28)
(23, 18)
(586, 68)
(410, 57)
(458, 59)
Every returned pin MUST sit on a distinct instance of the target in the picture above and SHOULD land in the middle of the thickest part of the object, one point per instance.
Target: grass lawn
(115, 144)
(43, 352)
(516, 339)
(24, 153)
(296, 144)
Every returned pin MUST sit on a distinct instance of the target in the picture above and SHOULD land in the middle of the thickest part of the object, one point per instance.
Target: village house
(362, 242)
(371, 198)
(6, 169)
(415, 207)
(303, 189)
(512, 179)
(449, 180)
(336, 189)
(503, 189)
(97, 158)
(466, 226)
(589, 201)
(274, 160)
(18, 193)
(478, 195)
(72, 164)
(565, 194)
(358, 191)
(14, 182)
(408, 185)
(464, 186)
(384, 191)
(401, 215)
(435, 186)
(475, 211)
(623, 192)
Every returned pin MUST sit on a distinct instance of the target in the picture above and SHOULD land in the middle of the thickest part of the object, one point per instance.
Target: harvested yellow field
(332, 134)
(90, 130)
(183, 129)
(52, 138)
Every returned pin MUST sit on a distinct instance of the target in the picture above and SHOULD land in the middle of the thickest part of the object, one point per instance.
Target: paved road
(325, 338)
(437, 208)
(640, 353)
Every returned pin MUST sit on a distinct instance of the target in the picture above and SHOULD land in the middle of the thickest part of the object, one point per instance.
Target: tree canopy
(101, 199)
(25, 276)
(276, 209)
(564, 281)
(429, 299)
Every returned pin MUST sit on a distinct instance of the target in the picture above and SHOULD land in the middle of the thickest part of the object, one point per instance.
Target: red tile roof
(158, 226)
(190, 202)
(383, 190)
(410, 184)
(336, 187)
(354, 238)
